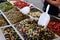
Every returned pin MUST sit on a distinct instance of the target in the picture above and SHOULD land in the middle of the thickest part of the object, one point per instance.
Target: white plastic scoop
(26, 9)
(44, 18)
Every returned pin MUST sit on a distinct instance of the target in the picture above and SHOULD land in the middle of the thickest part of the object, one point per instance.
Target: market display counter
(15, 25)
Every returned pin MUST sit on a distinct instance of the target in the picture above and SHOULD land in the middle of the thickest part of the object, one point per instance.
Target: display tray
(14, 15)
(54, 25)
(10, 34)
(29, 30)
(5, 6)
(34, 12)
(3, 21)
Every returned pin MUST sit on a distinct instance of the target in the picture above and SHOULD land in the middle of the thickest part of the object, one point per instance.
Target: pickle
(30, 30)
(3, 22)
(5, 6)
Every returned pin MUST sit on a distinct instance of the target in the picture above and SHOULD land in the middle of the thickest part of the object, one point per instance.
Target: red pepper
(54, 26)
(21, 4)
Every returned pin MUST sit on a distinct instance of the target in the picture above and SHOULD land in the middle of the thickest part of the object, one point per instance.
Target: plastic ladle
(44, 18)
(26, 9)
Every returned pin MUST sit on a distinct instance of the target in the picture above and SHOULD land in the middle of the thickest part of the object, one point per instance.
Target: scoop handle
(47, 9)
(30, 5)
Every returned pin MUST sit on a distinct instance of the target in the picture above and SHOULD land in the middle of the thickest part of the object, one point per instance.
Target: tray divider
(11, 25)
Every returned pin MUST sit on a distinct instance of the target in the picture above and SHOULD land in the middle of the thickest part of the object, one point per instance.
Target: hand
(55, 3)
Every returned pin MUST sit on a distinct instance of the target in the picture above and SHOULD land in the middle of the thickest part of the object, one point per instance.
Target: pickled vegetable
(3, 22)
(15, 16)
(54, 26)
(10, 34)
(31, 31)
(35, 13)
(5, 6)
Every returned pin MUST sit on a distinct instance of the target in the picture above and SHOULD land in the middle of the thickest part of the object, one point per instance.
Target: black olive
(25, 35)
(7, 35)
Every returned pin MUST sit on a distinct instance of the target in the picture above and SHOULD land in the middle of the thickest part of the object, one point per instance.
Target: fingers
(53, 2)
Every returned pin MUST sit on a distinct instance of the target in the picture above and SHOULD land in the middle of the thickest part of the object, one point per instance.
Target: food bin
(9, 33)
(14, 15)
(34, 12)
(54, 26)
(30, 30)
(5, 6)
(3, 21)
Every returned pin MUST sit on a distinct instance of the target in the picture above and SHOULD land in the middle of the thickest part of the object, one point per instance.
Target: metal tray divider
(5, 26)
(5, 17)
(11, 25)
(55, 17)
(17, 32)
(1, 35)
